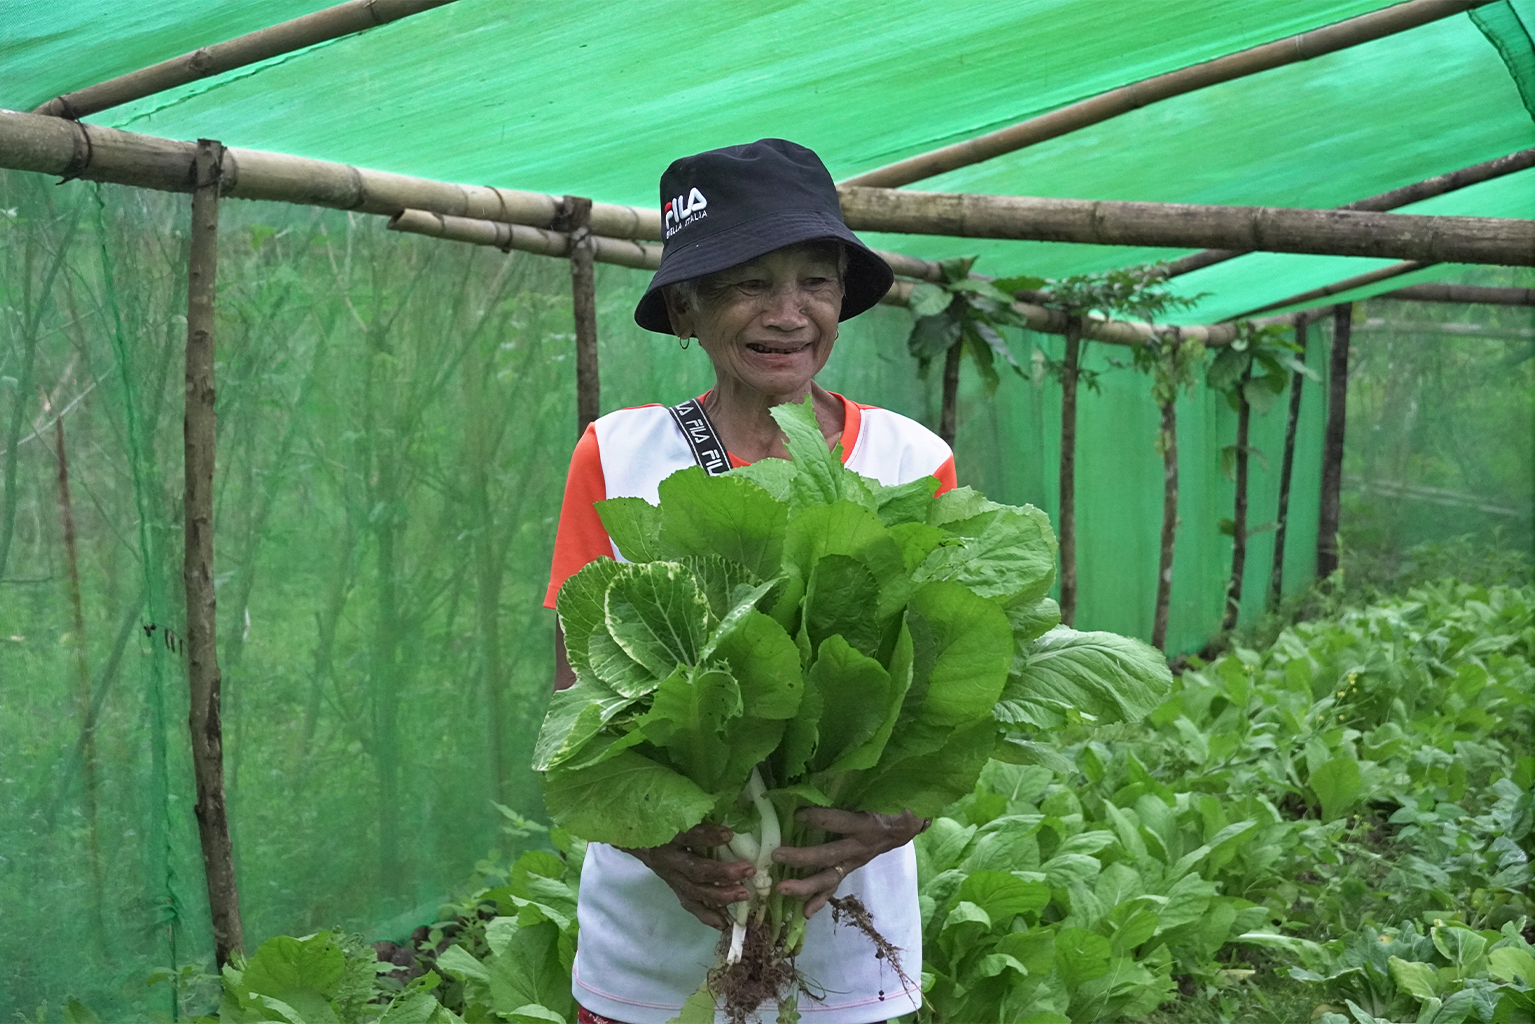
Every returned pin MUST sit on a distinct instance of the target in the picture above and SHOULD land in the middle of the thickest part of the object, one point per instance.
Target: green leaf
(928, 299)
(905, 503)
(627, 801)
(926, 782)
(841, 598)
(1227, 368)
(528, 972)
(766, 664)
(860, 688)
(1014, 750)
(1020, 283)
(728, 516)
(532, 1013)
(1030, 621)
(957, 268)
(688, 717)
(659, 616)
(1081, 955)
(618, 671)
(1112, 677)
(1259, 395)
(963, 648)
(1508, 963)
(1417, 979)
(1337, 785)
(634, 525)
(1002, 552)
(819, 474)
(698, 1008)
(304, 974)
(933, 336)
(1003, 896)
(1187, 902)
(776, 476)
(575, 715)
(580, 605)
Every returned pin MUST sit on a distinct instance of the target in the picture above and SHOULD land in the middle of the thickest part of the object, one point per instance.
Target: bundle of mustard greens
(790, 633)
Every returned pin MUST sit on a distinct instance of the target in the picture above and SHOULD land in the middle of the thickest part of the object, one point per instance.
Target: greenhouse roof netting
(595, 98)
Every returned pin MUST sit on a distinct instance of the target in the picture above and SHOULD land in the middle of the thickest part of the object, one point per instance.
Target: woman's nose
(786, 307)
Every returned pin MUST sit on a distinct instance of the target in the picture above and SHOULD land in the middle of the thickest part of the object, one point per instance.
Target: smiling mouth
(777, 351)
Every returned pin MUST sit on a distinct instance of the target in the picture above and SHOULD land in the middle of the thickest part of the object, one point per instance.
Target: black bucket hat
(727, 206)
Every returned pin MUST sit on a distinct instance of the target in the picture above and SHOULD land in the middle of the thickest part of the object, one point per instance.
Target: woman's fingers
(703, 885)
(839, 851)
(864, 837)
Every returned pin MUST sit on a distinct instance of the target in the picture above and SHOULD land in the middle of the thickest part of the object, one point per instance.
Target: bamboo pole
(1290, 50)
(72, 149)
(624, 252)
(575, 217)
(1234, 604)
(1337, 288)
(1333, 444)
(1287, 461)
(1470, 294)
(286, 37)
(1392, 200)
(1498, 240)
(1375, 324)
(197, 569)
(1066, 478)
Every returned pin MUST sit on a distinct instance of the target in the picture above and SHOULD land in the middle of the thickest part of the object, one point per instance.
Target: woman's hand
(865, 836)
(704, 885)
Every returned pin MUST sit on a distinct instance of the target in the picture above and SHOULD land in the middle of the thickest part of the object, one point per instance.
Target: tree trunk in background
(951, 394)
(197, 572)
(575, 217)
(1239, 511)
(1333, 445)
(1066, 524)
(83, 700)
(1287, 460)
(1170, 525)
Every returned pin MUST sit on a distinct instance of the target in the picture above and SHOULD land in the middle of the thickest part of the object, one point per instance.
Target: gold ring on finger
(842, 872)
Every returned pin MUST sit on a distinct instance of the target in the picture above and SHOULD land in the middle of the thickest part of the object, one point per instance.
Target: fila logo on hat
(678, 214)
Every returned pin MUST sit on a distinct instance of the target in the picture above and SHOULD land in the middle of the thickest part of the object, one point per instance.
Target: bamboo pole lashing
(263, 44)
(1292, 49)
(203, 717)
(1440, 184)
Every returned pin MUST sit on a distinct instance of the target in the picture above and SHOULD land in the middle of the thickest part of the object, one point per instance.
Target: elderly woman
(760, 268)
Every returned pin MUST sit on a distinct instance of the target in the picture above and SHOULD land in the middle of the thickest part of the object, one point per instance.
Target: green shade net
(396, 413)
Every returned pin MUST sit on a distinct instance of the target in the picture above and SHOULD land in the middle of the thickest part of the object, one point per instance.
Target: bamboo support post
(1333, 444)
(1287, 461)
(1469, 294)
(1499, 240)
(1066, 479)
(1328, 39)
(950, 395)
(1398, 197)
(575, 216)
(263, 44)
(197, 569)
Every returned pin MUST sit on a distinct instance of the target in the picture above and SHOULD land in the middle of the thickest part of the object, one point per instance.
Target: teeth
(776, 351)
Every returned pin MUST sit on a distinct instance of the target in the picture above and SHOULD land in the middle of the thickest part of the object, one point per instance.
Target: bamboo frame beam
(1380, 203)
(1497, 240)
(1328, 39)
(332, 23)
(1462, 293)
(197, 566)
(1337, 287)
(624, 252)
(73, 149)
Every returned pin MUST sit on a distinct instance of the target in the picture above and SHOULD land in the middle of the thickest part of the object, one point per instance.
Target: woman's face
(769, 323)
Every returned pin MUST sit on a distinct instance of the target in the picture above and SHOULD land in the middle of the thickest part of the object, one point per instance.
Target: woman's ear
(678, 313)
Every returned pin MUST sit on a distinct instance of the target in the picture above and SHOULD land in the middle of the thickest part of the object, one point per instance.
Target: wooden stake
(1067, 471)
(1239, 512)
(1398, 197)
(1287, 460)
(1170, 525)
(197, 567)
(950, 395)
(1328, 39)
(1498, 240)
(575, 220)
(1333, 444)
(331, 23)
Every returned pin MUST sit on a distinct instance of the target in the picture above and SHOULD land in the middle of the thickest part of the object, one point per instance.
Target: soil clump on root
(764, 972)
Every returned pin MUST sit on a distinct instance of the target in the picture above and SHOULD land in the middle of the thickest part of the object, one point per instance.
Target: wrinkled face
(769, 323)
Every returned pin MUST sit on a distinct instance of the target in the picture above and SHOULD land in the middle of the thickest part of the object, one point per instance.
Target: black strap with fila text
(708, 451)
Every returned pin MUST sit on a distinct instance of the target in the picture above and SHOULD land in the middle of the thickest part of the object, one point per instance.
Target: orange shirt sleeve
(946, 476)
(580, 537)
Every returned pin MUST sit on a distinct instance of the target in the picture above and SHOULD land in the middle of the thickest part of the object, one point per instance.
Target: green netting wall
(395, 417)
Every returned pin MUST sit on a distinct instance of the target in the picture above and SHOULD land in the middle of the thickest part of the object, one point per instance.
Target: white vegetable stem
(758, 848)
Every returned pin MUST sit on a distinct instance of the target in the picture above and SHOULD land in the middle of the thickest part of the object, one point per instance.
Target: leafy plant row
(1345, 815)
